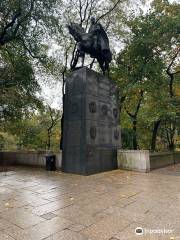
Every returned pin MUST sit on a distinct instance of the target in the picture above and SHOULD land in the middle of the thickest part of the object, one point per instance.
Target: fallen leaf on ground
(123, 195)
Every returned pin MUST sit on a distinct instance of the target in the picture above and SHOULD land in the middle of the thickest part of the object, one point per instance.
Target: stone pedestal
(91, 123)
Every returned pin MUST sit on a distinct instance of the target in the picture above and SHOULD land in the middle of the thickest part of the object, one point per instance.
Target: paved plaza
(36, 205)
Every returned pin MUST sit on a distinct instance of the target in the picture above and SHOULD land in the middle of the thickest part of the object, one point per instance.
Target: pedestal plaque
(91, 133)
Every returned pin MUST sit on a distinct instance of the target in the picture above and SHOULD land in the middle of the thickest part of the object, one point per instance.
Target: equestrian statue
(95, 43)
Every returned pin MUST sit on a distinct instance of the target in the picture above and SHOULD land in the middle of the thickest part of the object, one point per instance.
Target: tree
(150, 55)
(50, 123)
(41, 131)
(25, 26)
(133, 117)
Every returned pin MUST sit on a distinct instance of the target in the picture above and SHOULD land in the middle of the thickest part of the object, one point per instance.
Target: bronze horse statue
(97, 46)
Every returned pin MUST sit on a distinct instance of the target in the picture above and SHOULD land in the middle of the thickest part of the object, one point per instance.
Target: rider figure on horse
(100, 39)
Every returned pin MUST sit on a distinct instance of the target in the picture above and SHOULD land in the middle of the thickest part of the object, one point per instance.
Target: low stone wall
(144, 161)
(161, 159)
(136, 160)
(32, 158)
(177, 157)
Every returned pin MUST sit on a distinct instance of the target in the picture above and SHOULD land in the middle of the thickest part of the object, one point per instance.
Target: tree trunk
(49, 141)
(170, 137)
(135, 144)
(154, 135)
(171, 93)
(171, 147)
(134, 120)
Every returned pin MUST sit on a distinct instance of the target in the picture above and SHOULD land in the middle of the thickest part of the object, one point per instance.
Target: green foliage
(25, 27)
(151, 50)
(127, 138)
(32, 133)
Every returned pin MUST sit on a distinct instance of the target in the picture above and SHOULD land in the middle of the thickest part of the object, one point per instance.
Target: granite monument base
(91, 132)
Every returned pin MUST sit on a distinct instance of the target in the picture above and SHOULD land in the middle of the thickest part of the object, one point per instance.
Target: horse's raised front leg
(75, 61)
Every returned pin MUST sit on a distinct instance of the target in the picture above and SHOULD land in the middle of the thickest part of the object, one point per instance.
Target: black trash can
(50, 162)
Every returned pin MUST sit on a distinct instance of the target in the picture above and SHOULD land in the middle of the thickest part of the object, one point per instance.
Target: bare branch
(139, 103)
(80, 12)
(30, 51)
(53, 119)
(171, 74)
(89, 15)
(130, 114)
(134, 115)
(85, 10)
(3, 39)
(9, 25)
(176, 72)
(172, 62)
(109, 11)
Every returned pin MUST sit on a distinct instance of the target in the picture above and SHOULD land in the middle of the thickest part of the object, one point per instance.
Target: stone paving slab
(67, 234)
(40, 205)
